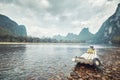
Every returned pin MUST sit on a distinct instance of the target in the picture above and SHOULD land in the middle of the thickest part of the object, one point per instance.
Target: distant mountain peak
(85, 31)
(85, 34)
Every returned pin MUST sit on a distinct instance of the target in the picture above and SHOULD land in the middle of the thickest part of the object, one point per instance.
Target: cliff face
(110, 29)
(9, 27)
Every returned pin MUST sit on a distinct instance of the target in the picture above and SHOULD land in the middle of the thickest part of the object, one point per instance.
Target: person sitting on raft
(91, 50)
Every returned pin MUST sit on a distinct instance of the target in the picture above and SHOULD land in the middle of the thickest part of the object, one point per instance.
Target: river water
(40, 61)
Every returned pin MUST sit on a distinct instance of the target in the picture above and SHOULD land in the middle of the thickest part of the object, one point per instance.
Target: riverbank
(109, 71)
(37, 43)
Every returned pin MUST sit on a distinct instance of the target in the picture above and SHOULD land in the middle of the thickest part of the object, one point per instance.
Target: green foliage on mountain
(4, 32)
(10, 27)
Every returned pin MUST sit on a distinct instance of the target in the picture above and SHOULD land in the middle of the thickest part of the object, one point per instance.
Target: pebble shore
(110, 69)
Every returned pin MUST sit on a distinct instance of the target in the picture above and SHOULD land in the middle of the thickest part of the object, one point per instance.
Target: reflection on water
(43, 61)
(10, 57)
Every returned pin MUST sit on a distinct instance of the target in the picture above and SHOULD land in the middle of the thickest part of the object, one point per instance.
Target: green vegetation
(116, 39)
(4, 32)
(10, 38)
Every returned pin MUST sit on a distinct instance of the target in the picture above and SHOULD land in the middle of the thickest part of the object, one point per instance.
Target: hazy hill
(71, 37)
(84, 35)
(10, 27)
(59, 37)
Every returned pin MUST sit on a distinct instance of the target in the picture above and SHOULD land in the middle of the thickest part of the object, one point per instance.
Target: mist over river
(41, 61)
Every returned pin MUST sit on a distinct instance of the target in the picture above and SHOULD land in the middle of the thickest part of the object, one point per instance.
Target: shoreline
(37, 43)
(108, 71)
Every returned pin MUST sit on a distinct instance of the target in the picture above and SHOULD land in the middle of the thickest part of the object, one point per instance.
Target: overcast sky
(52, 17)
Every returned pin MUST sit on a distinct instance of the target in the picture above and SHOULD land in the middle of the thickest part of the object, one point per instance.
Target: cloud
(27, 3)
(51, 17)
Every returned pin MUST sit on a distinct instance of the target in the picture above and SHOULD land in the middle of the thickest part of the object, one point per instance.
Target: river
(40, 61)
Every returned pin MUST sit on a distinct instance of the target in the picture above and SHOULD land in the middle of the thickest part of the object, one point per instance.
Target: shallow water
(40, 61)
